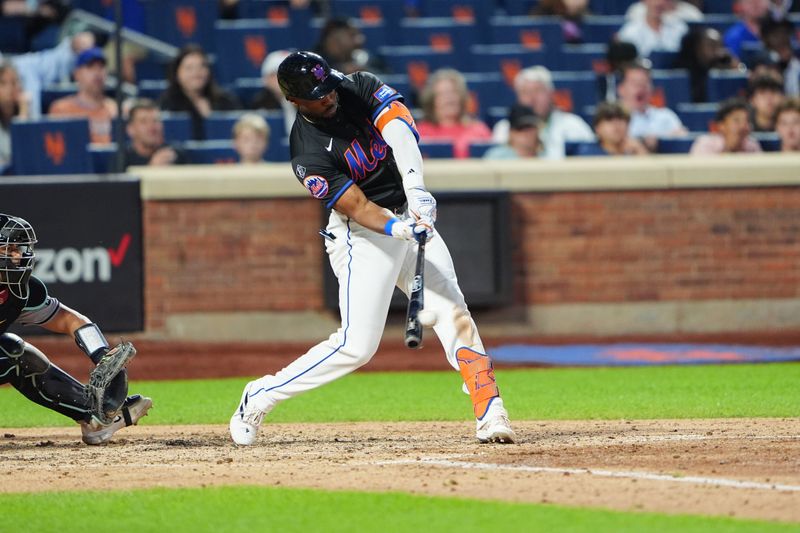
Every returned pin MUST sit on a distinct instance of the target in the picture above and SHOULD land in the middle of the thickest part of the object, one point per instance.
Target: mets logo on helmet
(318, 72)
(317, 186)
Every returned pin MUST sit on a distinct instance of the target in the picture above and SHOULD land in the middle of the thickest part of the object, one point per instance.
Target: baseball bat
(415, 298)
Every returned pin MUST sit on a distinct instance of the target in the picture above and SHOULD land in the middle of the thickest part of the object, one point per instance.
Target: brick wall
(620, 246)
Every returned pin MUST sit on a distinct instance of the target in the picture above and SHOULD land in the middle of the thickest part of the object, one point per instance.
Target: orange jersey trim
(397, 110)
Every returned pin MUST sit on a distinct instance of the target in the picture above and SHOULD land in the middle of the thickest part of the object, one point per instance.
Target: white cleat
(246, 420)
(494, 426)
(134, 408)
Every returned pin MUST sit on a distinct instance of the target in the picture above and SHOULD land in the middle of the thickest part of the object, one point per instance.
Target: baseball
(427, 318)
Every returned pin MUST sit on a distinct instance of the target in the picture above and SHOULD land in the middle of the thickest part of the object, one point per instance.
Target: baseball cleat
(134, 408)
(246, 420)
(494, 426)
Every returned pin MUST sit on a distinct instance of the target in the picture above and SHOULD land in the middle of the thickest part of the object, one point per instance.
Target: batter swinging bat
(415, 299)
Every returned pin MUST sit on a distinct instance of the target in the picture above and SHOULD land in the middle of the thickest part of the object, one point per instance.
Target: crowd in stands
(650, 76)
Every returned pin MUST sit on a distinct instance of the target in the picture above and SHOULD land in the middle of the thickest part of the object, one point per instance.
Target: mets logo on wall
(317, 186)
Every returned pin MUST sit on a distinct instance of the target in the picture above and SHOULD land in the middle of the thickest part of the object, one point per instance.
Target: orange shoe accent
(476, 369)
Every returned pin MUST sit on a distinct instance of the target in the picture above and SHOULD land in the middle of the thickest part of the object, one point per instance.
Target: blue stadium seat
(368, 10)
(440, 33)
(584, 149)
(53, 92)
(278, 150)
(609, 7)
(676, 145)
(242, 46)
(724, 84)
(181, 22)
(50, 146)
(219, 125)
(769, 141)
(477, 149)
(436, 149)
(718, 7)
(697, 117)
(540, 33)
(489, 90)
(152, 88)
(246, 89)
(516, 8)
(152, 68)
(600, 29)
(277, 11)
(673, 85)
(575, 90)
(719, 22)
(588, 57)
(177, 127)
(210, 152)
(103, 157)
(663, 60)
(505, 58)
(419, 61)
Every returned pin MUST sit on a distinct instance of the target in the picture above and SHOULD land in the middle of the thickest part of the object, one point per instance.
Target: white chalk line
(695, 480)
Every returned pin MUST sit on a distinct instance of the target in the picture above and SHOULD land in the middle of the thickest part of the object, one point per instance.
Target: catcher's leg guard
(44, 383)
(476, 369)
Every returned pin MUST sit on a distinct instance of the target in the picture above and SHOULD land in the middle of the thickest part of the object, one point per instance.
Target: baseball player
(102, 407)
(354, 147)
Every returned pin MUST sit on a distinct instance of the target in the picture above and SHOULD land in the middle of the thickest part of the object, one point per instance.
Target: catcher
(102, 407)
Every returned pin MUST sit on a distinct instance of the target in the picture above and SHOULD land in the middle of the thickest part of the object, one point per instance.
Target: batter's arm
(355, 205)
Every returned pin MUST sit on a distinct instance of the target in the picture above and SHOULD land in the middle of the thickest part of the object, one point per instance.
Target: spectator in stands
(764, 94)
(444, 101)
(251, 138)
(534, 88)
(787, 125)
(655, 31)
(611, 122)
(734, 132)
(647, 122)
(748, 29)
(777, 37)
(13, 104)
(571, 13)
(271, 97)
(40, 69)
(146, 132)
(702, 50)
(192, 90)
(523, 136)
(685, 11)
(342, 44)
(90, 101)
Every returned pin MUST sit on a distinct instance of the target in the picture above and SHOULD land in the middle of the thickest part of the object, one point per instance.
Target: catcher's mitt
(103, 406)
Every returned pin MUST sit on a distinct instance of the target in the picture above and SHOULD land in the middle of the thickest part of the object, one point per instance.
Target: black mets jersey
(38, 308)
(329, 156)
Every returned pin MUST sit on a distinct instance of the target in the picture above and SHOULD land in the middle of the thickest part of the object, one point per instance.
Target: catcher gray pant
(29, 371)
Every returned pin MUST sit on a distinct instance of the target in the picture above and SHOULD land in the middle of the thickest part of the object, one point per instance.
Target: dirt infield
(734, 467)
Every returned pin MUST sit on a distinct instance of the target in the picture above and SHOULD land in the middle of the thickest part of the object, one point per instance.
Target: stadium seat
(505, 58)
(102, 157)
(12, 35)
(718, 7)
(489, 90)
(671, 86)
(515, 8)
(50, 146)
(600, 29)
(419, 61)
(769, 141)
(242, 46)
(587, 57)
(439, 33)
(575, 90)
(663, 60)
(368, 10)
(609, 7)
(676, 145)
(177, 127)
(583, 149)
(724, 84)
(477, 149)
(181, 22)
(210, 152)
(152, 89)
(276, 11)
(219, 125)
(540, 33)
(697, 117)
(278, 150)
(436, 149)
(52, 93)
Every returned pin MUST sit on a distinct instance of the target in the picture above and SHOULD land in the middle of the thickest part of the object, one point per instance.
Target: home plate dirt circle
(747, 468)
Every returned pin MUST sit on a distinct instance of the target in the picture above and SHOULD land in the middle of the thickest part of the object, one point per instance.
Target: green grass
(530, 394)
(236, 509)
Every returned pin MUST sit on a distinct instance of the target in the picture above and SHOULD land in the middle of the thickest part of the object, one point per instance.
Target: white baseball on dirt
(427, 318)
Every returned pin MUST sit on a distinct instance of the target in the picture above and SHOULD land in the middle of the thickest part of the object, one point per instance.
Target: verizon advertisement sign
(90, 244)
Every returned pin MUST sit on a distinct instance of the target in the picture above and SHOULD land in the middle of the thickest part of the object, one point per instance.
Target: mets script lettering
(359, 162)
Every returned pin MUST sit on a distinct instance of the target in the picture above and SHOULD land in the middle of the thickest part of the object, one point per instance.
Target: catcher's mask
(308, 76)
(17, 257)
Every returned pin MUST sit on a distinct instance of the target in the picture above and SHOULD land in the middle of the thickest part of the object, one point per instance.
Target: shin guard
(476, 369)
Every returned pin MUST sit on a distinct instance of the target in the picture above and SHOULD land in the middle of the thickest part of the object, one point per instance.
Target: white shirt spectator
(647, 40)
(560, 127)
(683, 11)
(655, 122)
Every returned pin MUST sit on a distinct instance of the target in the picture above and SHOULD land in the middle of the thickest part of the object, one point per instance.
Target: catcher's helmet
(16, 254)
(308, 76)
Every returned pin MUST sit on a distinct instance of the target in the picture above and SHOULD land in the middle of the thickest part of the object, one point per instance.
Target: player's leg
(460, 339)
(366, 265)
(29, 371)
